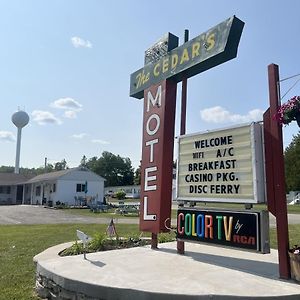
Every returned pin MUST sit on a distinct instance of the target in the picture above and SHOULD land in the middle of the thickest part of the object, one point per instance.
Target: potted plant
(294, 254)
(289, 111)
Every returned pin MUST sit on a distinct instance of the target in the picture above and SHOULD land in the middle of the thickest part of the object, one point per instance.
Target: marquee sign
(222, 166)
(239, 229)
(211, 48)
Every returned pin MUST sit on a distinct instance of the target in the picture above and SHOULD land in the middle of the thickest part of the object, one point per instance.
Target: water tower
(20, 119)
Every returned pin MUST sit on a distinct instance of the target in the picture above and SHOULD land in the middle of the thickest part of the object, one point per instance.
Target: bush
(120, 195)
(166, 237)
(98, 242)
(75, 249)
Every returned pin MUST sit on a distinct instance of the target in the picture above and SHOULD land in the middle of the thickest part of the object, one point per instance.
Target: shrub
(120, 195)
(97, 242)
(75, 249)
(166, 237)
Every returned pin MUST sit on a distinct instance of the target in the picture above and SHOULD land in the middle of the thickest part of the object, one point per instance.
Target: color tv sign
(240, 229)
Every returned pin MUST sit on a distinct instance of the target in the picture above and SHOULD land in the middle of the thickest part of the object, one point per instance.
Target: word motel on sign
(151, 130)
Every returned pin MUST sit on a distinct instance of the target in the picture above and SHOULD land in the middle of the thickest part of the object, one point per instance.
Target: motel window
(38, 191)
(5, 189)
(54, 188)
(80, 187)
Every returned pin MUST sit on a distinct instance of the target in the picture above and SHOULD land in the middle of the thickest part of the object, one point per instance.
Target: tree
(83, 162)
(292, 164)
(120, 195)
(114, 168)
(137, 175)
(7, 169)
(62, 165)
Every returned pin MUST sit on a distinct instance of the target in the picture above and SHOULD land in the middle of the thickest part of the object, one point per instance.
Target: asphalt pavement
(33, 214)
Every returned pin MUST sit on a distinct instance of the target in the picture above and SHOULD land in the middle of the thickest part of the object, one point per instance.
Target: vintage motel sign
(156, 82)
(209, 49)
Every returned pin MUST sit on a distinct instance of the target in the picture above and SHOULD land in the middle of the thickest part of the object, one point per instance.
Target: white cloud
(79, 136)
(70, 114)
(218, 114)
(7, 136)
(96, 141)
(44, 117)
(67, 103)
(79, 42)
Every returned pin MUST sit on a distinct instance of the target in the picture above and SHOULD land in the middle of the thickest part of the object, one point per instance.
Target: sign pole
(275, 172)
(183, 94)
(180, 244)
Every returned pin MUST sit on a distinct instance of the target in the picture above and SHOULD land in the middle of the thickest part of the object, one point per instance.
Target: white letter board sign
(224, 165)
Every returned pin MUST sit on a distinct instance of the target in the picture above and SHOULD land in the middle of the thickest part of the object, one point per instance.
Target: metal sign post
(180, 244)
(275, 177)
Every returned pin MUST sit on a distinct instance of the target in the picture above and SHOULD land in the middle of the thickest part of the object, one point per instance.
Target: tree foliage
(137, 176)
(62, 165)
(292, 164)
(120, 195)
(114, 168)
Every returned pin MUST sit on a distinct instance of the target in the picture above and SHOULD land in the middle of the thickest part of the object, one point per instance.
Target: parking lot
(32, 214)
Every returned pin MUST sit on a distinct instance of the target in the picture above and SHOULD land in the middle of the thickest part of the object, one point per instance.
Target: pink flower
(288, 111)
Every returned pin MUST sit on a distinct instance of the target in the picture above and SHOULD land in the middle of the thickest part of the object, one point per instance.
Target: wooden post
(154, 241)
(276, 186)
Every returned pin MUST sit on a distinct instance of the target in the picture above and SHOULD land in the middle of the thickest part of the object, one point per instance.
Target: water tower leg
(18, 150)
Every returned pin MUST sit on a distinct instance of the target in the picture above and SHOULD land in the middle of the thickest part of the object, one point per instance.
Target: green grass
(20, 243)
(292, 209)
(88, 213)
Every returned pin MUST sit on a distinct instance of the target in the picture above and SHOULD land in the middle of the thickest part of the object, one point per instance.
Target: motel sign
(156, 82)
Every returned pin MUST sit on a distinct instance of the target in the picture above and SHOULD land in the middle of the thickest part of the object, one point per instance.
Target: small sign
(224, 165)
(239, 229)
(83, 237)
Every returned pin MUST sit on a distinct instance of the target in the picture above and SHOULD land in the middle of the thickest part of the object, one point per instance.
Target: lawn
(20, 243)
(292, 209)
(107, 214)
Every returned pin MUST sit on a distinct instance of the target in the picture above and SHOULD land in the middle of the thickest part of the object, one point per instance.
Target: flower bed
(100, 242)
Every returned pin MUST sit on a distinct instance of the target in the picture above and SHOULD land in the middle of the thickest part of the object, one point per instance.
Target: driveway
(31, 214)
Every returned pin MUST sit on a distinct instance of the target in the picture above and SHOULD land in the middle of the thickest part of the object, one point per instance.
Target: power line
(287, 78)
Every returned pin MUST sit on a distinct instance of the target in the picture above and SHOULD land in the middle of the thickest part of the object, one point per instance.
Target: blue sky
(68, 64)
